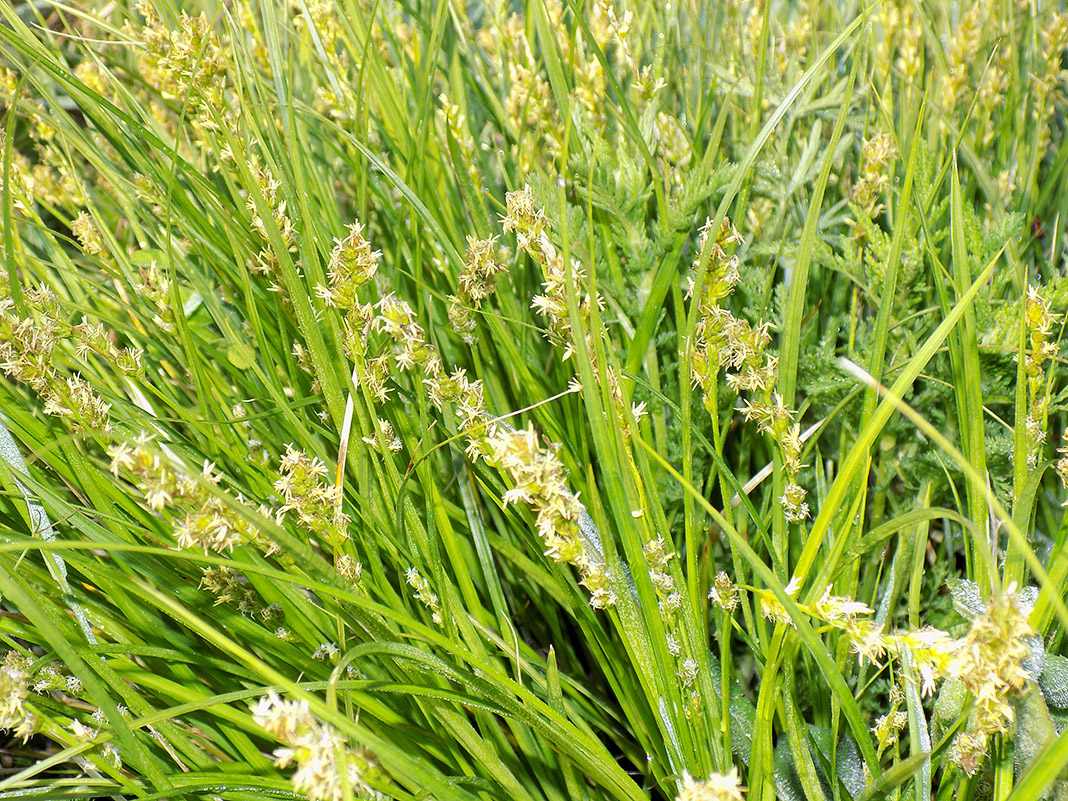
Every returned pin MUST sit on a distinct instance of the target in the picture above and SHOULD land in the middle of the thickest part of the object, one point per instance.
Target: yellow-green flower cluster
(94, 338)
(990, 95)
(532, 117)
(424, 594)
(1039, 321)
(538, 478)
(75, 399)
(318, 21)
(772, 609)
(900, 33)
(675, 149)
(1049, 77)
(837, 610)
(186, 64)
(28, 353)
(398, 320)
(968, 751)
(784, 47)
(988, 661)
(962, 52)
(658, 556)
(304, 363)
(325, 764)
(530, 225)
(876, 154)
(348, 568)
(153, 284)
(352, 264)
(534, 123)
(887, 728)
(14, 690)
(590, 80)
(989, 664)
(266, 261)
(774, 419)
(537, 475)
(315, 501)
(539, 481)
(49, 678)
(90, 73)
(992, 662)
(453, 124)
(9, 83)
(201, 518)
(724, 592)
(467, 396)
(531, 113)
(717, 787)
(389, 436)
(85, 231)
(527, 220)
(722, 340)
(228, 588)
(1062, 463)
(477, 282)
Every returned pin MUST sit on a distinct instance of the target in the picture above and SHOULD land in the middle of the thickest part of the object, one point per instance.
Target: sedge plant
(542, 400)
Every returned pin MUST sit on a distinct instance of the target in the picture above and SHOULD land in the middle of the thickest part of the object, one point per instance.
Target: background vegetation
(550, 401)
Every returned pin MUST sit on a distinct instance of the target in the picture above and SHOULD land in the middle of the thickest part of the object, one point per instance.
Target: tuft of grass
(540, 401)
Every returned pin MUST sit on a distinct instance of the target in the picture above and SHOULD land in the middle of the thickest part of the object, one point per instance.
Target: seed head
(888, 727)
(88, 236)
(423, 593)
(525, 218)
(352, 264)
(718, 787)
(724, 592)
(316, 502)
(320, 754)
(793, 503)
(14, 690)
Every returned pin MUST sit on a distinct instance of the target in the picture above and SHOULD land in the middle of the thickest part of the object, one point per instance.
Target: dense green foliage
(559, 401)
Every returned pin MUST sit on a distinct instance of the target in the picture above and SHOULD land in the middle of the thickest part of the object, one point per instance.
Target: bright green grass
(898, 175)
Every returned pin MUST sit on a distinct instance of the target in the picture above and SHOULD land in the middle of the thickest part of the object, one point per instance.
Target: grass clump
(540, 401)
